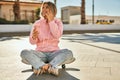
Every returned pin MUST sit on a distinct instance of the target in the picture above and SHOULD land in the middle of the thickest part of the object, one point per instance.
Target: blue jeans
(38, 59)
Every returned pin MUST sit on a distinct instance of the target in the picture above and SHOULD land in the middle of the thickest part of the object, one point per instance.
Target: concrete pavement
(97, 58)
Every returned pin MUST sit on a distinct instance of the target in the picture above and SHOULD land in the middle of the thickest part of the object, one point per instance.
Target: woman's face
(45, 9)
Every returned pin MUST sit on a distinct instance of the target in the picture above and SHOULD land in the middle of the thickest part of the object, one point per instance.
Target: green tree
(83, 20)
(37, 13)
(16, 11)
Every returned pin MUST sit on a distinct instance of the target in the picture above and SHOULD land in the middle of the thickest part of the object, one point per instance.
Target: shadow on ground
(111, 38)
(11, 38)
(86, 38)
(8, 38)
(63, 75)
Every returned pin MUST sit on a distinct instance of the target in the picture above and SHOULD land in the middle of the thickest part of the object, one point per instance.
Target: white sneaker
(53, 70)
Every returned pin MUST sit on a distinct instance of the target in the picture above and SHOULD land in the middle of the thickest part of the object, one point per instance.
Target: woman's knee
(68, 52)
(24, 52)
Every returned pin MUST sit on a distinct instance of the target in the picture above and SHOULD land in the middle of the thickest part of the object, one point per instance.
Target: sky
(101, 7)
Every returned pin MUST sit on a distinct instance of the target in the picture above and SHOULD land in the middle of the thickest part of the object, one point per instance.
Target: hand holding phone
(35, 34)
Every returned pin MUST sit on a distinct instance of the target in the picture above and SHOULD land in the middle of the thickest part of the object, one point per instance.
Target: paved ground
(97, 58)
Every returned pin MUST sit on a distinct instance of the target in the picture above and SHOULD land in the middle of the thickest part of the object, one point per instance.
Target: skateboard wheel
(63, 66)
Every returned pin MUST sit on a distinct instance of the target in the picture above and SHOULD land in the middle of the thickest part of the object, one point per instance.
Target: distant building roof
(32, 1)
(71, 7)
(11, 2)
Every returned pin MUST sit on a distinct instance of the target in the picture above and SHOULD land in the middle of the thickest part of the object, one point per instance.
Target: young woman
(45, 35)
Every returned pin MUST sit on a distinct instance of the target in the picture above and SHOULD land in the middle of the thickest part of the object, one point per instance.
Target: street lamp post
(92, 11)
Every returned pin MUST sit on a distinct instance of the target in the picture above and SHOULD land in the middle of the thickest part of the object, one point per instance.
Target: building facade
(72, 15)
(68, 11)
(27, 10)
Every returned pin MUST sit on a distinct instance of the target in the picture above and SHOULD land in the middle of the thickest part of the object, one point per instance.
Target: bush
(4, 21)
(20, 22)
(37, 13)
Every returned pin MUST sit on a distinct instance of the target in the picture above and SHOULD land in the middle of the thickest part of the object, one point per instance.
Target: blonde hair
(51, 6)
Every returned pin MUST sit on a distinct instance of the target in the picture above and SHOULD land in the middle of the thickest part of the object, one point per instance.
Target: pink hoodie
(49, 34)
